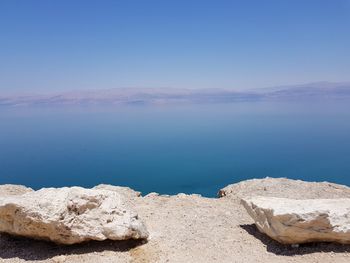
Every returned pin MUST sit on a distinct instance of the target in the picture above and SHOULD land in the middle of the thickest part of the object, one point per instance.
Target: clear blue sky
(78, 44)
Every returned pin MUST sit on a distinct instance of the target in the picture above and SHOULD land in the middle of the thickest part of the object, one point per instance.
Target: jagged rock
(291, 221)
(70, 215)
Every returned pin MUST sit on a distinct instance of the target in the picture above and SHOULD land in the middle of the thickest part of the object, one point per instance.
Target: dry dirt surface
(191, 228)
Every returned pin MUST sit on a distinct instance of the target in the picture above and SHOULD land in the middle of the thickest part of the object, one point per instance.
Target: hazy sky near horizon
(83, 44)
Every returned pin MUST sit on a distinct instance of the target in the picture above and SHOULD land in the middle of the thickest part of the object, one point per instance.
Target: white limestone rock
(291, 221)
(127, 192)
(284, 188)
(12, 189)
(70, 215)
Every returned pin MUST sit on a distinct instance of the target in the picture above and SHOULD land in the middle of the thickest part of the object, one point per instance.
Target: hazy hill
(312, 91)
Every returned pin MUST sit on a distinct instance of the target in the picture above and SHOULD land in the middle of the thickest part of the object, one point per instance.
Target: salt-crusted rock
(70, 215)
(292, 221)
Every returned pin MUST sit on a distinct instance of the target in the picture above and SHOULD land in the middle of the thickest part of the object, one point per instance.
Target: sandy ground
(190, 228)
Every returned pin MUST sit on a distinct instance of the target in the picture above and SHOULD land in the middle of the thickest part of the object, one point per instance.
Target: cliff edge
(191, 228)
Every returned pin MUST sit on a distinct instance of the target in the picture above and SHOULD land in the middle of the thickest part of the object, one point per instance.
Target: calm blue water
(171, 149)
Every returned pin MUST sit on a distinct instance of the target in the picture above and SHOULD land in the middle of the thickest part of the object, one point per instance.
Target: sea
(170, 149)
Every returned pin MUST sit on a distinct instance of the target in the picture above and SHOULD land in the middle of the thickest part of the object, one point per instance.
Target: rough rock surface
(285, 188)
(70, 215)
(292, 221)
(127, 192)
(190, 228)
(11, 189)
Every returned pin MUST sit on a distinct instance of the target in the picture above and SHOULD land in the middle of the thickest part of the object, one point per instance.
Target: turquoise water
(171, 149)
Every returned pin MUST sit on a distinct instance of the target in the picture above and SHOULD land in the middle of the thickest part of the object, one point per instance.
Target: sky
(81, 44)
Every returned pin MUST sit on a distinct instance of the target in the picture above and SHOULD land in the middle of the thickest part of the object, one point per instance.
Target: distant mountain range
(137, 96)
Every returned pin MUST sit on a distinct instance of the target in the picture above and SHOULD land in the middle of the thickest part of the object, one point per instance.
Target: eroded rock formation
(70, 215)
(292, 221)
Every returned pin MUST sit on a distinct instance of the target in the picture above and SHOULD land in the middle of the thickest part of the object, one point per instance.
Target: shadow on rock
(29, 249)
(287, 250)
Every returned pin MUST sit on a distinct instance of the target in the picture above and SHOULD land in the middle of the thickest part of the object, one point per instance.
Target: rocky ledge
(179, 228)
